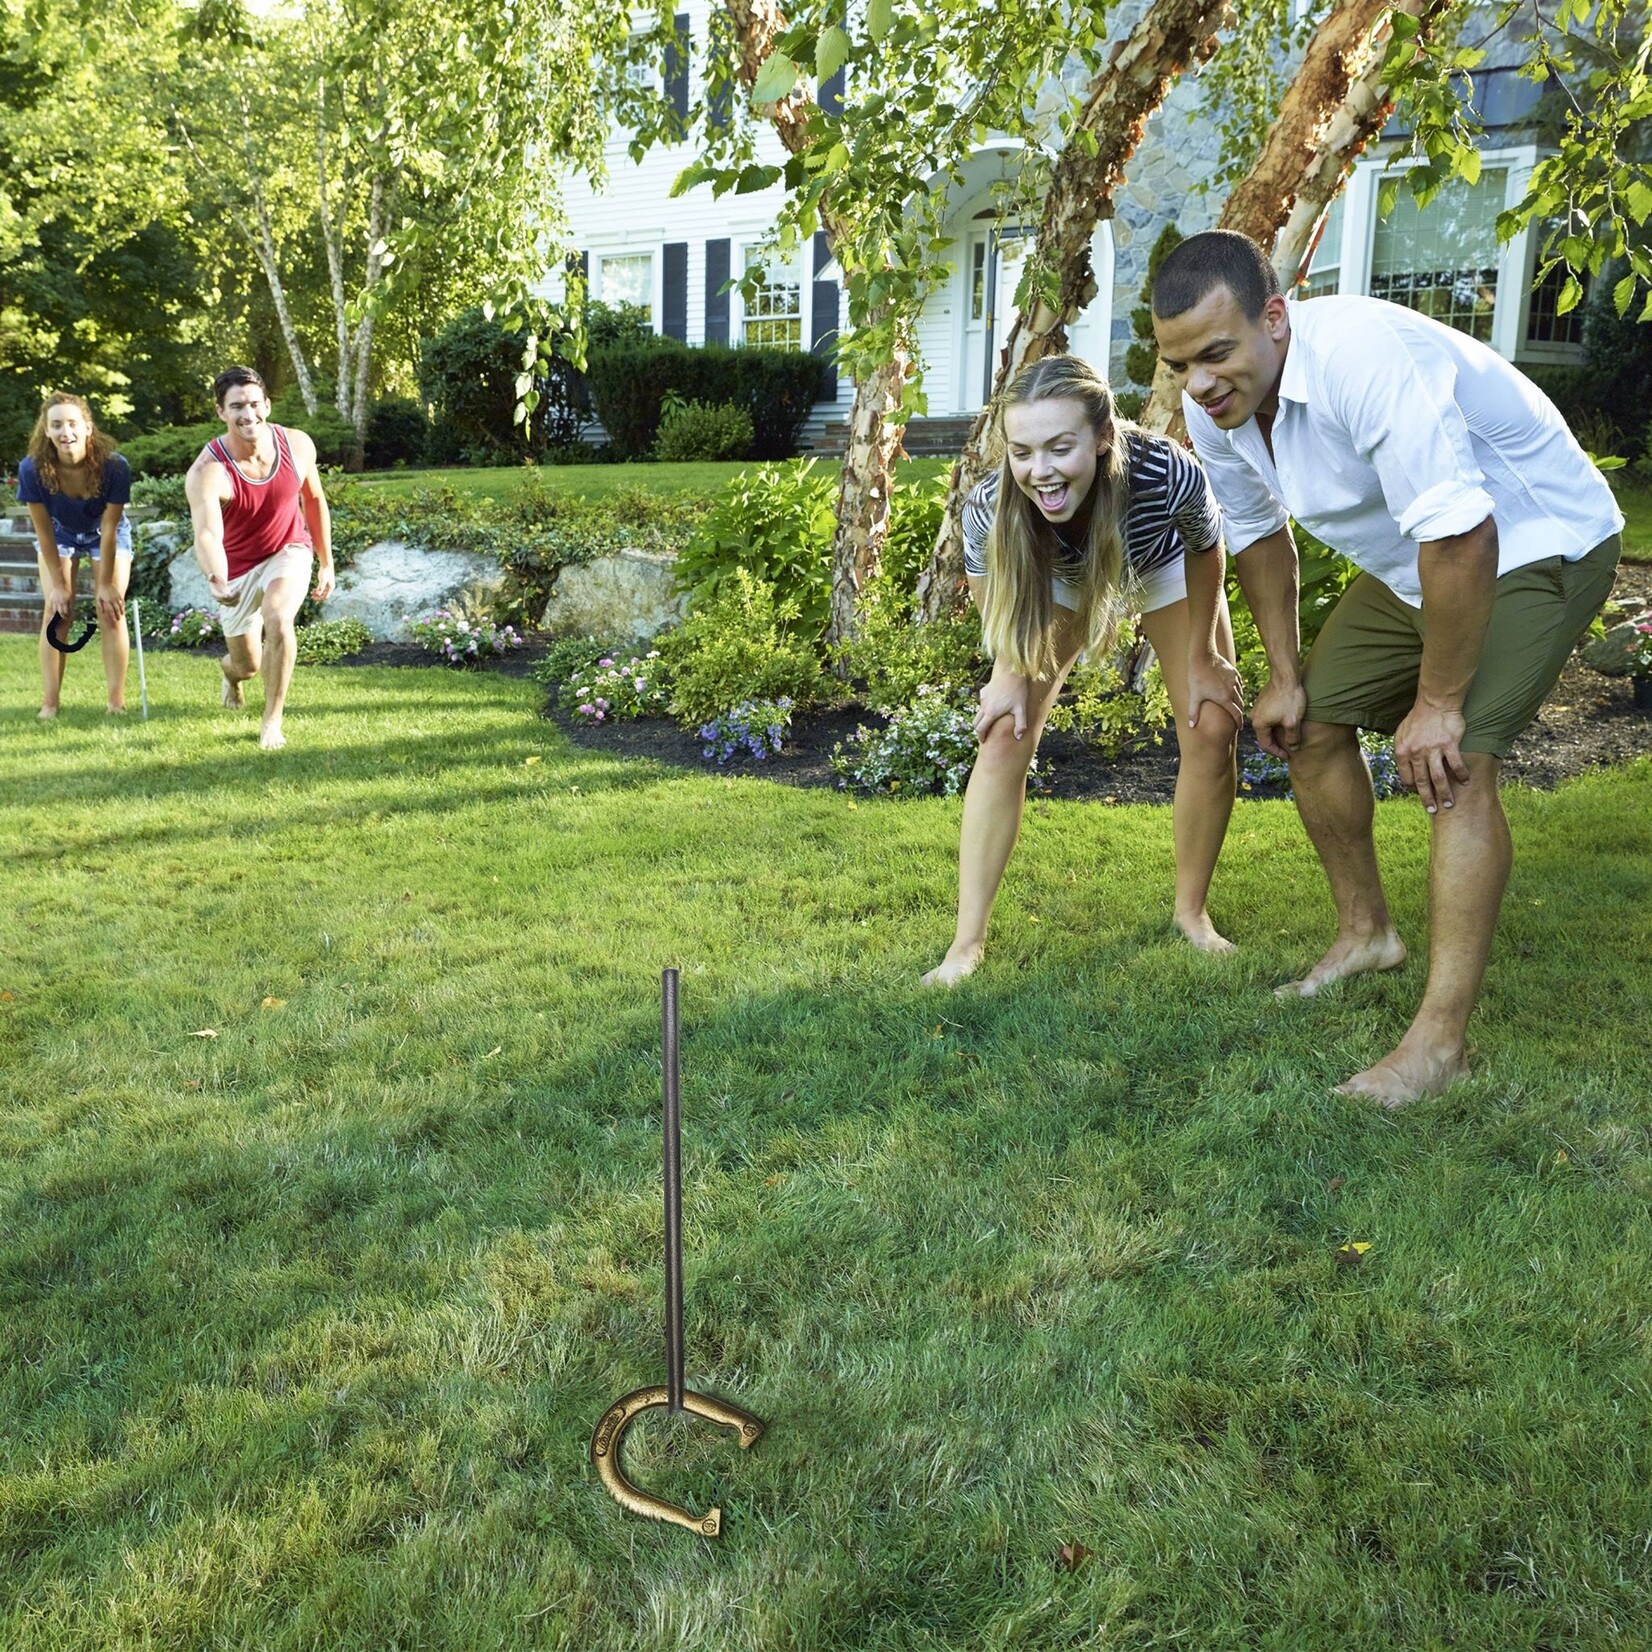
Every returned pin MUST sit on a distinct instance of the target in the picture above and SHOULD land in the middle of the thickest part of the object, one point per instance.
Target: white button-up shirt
(1394, 430)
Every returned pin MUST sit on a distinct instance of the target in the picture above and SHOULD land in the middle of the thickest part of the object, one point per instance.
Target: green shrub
(328, 641)
(775, 523)
(915, 512)
(397, 431)
(165, 493)
(617, 688)
(467, 373)
(568, 656)
(891, 657)
(1106, 713)
(928, 746)
(695, 431)
(739, 643)
(630, 383)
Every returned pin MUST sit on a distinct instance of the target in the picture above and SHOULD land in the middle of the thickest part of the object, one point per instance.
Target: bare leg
(282, 601)
(994, 801)
(1206, 778)
(117, 647)
(1468, 871)
(1333, 796)
(239, 664)
(52, 662)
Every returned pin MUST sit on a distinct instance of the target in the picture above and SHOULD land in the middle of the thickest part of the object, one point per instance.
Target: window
(772, 311)
(1443, 261)
(639, 69)
(1325, 267)
(978, 281)
(629, 279)
(1544, 324)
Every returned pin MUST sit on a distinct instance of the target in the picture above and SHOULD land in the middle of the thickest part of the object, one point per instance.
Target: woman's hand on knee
(1214, 682)
(1004, 696)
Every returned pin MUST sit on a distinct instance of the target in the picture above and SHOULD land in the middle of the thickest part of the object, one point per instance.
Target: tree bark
(1336, 104)
(875, 424)
(278, 293)
(363, 344)
(1143, 67)
(332, 236)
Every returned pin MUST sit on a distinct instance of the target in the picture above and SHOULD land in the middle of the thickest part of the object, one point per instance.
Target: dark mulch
(1588, 721)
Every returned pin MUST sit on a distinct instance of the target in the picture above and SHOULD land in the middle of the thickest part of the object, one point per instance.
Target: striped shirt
(1172, 510)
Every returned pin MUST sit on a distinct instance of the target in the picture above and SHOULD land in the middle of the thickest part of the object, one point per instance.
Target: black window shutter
(676, 65)
(830, 97)
(823, 312)
(674, 294)
(717, 267)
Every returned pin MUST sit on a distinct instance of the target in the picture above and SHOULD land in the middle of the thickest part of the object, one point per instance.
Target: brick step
(924, 438)
(19, 580)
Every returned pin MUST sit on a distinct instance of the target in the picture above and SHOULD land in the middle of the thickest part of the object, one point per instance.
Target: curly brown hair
(100, 449)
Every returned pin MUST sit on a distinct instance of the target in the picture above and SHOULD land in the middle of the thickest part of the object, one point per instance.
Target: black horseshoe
(69, 647)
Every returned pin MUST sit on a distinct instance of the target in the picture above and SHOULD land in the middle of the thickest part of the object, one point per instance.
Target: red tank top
(262, 517)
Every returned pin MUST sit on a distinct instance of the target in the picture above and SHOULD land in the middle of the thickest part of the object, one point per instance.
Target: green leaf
(831, 52)
(685, 180)
(776, 79)
(753, 178)
(1623, 294)
(1467, 162)
(1570, 293)
(1638, 198)
(879, 15)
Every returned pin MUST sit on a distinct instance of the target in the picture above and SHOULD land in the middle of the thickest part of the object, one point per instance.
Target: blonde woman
(1089, 518)
(76, 487)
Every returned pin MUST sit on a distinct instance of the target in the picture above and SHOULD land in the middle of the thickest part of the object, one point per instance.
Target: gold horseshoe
(610, 1436)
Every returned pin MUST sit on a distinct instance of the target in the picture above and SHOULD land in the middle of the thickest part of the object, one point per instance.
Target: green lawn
(308, 1322)
(1635, 501)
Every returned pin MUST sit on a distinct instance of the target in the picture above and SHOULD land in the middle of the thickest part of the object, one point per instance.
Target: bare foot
(953, 968)
(1407, 1075)
(1347, 957)
(47, 713)
(271, 738)
(232, 691)
(1204, 934)
(114, 710)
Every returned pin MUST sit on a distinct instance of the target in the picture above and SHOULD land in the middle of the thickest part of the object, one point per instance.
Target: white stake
(143, 681)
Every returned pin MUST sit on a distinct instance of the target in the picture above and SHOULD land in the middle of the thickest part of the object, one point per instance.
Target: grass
(309, 1322)
(602, 481)
(1635, 501)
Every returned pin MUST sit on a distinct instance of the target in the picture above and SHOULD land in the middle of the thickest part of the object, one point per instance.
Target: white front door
(992, 272)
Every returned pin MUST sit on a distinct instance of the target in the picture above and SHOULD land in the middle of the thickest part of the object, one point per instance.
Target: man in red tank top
(259, 512)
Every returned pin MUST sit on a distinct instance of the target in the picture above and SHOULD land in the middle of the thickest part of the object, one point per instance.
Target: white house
(675, 257)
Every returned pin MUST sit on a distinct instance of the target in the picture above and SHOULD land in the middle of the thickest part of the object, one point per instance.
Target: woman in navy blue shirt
(76, 487)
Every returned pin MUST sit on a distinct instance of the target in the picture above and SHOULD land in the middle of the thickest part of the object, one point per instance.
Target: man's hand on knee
(1277, 715)
(1427, 752)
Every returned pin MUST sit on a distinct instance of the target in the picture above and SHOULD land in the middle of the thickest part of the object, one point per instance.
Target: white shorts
(1156, 589)
(244, 610)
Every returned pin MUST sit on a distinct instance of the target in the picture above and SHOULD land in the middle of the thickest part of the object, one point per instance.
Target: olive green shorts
(1362, 669)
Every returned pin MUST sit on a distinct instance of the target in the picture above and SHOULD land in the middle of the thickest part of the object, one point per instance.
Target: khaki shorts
(244, 610)
(1363, 667)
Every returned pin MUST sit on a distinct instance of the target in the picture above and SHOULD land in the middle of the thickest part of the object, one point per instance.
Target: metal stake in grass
(143, 681)
(673, 1397)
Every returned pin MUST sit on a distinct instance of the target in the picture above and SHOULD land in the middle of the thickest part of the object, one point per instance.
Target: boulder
(1610, 654)
(625, 597)
(391, 584)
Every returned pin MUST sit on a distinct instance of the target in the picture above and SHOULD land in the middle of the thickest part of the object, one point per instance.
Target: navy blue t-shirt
(75, 521)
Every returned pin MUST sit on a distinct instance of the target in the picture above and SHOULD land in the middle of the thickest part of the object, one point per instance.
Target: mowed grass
(308, 1322)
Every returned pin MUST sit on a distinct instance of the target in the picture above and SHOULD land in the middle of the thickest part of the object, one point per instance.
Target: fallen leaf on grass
(493, 1052)
(205, 1032)
(1072, 1556)
(528, 762)
(1336, 1184)
(1353, 1253)
(272, 1003)
(1562, 1157)
(7, 997)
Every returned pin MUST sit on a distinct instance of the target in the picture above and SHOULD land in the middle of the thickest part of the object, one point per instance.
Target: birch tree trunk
(278, 293)
(1336, 104)
(1170, 36)
(363, 345)
(332, 236)
(875, 426)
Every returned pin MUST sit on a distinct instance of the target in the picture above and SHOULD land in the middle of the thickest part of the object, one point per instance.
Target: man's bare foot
(954, 967)
(1407, 1075)
(232, 689)
(47, 713)
(1348, 957)
(271, 738)
(1204, 934)
(113, 710)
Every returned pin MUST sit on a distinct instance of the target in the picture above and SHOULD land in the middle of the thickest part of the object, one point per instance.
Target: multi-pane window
(629, 279)
(978, 281)
(1325, 267)
(1544, 322)
(772, 309)
(1443, 261)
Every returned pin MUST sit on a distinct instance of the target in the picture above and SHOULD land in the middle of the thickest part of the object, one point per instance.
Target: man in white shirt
(1487, 542)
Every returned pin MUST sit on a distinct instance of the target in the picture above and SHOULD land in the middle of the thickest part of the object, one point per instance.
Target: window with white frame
(628, 278)
(771, 308)
(1548, 332)
(1443, 260)
(1325, 267)
(639, 69)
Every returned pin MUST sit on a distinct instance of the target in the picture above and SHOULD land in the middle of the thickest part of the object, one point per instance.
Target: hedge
(778, 388)
(171, 450)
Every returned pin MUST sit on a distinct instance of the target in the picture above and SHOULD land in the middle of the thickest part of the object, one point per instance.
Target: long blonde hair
(43, 450)
(1018, 622)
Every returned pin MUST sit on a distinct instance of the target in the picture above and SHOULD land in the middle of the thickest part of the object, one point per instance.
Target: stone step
(941, 437)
